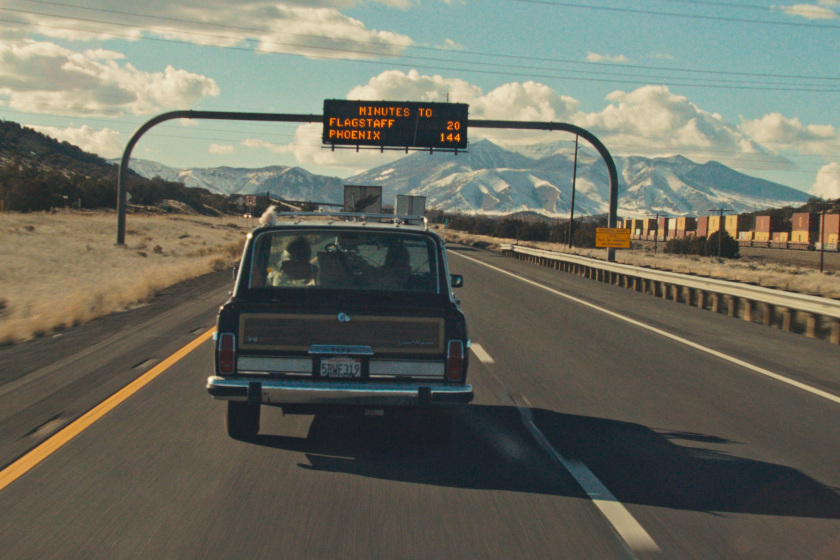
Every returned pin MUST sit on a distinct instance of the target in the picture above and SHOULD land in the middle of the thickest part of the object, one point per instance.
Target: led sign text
(395, 124)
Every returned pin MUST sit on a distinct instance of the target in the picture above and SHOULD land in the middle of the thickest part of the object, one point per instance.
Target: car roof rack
(360, 217)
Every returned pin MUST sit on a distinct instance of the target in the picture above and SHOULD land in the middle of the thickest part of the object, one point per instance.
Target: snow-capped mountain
(291, 183)
(494, 180)
(490, 179)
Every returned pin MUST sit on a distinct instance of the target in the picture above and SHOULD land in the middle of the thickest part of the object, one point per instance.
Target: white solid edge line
(614, 511)
(700, 347)
(481, 353)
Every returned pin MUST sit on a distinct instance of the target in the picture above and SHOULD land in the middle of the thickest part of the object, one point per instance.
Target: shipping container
(831, 231)
(686, 226)
(714, 225)
(805, 227)
(766, 226)
(702, 226)
(662, 228)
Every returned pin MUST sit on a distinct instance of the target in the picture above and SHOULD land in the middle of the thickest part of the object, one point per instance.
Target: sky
(754, 85)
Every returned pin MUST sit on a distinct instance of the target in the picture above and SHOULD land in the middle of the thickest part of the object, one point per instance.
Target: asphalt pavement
(593, 435)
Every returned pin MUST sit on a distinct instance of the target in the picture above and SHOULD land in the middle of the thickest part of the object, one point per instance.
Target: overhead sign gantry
(386, 125)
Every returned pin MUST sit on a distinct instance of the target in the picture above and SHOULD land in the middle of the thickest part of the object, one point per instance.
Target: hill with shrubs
(38, 173)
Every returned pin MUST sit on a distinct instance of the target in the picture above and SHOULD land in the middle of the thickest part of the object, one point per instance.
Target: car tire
(441, 429)
(242, 420)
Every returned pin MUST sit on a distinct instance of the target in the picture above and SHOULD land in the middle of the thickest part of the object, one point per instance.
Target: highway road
(607, 424)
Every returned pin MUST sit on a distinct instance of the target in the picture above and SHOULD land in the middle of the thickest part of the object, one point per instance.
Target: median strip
(31, 459)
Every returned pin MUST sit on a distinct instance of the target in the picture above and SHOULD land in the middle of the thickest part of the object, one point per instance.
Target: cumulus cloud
(221, 149)
(106, 142)
(810, 11)
(650, 120)
(779, 133)
(653, 119)
(595, 57)
(299, 27)
(42, 77)
(827, 184)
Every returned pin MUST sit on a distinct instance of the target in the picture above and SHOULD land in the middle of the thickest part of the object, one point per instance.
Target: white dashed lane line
(630, 530)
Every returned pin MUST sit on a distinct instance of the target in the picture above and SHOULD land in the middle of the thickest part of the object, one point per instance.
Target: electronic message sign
(394, 124)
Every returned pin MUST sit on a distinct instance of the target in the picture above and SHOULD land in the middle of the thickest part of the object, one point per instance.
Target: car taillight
(227, 353)
(455, 360)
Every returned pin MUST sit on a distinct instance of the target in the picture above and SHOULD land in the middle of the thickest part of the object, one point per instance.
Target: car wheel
(243, 420)
(441, 429)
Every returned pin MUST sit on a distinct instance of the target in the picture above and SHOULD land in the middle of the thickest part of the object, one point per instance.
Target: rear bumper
(305, 392)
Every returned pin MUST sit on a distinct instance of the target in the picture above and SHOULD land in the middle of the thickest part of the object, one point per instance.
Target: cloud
(827, 184)
(595, 57)
(307, 28)
(106, 142)
(221, 149)
(780, 133)
(42, 77)
(271, 147)
(451, 45)
(809, 11)
(650, 120)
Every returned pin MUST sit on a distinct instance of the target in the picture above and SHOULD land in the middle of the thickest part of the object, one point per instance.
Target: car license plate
(341, 367)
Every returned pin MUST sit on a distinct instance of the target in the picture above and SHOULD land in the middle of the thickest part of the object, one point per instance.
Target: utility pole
(721, 210)
(822, 206)
(574, 178)
(656, 235)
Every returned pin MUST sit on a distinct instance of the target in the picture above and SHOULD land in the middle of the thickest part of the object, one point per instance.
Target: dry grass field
(750, 270)
(63, 269)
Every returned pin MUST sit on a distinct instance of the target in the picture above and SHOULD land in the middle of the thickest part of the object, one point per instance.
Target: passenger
(397, 268)
(295, 269)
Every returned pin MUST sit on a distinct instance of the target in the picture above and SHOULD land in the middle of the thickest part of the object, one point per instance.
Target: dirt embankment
(784, 276)
(62, 269)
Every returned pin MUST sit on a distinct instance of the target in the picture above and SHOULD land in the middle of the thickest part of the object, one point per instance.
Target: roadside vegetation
(62, 269)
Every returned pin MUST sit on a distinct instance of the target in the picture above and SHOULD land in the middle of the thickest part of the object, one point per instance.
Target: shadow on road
(495, 452)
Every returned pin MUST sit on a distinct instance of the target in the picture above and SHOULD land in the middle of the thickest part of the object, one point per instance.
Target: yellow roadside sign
(612, 238)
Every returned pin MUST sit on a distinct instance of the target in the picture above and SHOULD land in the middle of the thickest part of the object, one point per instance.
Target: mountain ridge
(494, 180)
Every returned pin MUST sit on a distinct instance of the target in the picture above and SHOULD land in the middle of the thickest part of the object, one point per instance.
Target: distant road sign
(395, 124)
(612, 238)
(251, 200)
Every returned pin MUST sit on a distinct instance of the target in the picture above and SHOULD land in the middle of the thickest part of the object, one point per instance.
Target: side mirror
(456, 280)
(235, 271)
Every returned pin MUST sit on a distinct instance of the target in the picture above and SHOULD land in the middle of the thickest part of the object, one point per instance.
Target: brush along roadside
(63, 269)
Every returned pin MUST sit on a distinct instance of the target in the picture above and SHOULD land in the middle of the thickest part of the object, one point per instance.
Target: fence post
(810, 325)
(732, 306)
(767, 318)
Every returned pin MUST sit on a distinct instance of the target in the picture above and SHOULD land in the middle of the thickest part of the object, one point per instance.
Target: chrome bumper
(294, 391)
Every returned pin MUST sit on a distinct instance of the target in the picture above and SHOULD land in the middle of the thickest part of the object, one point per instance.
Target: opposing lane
(713, 462)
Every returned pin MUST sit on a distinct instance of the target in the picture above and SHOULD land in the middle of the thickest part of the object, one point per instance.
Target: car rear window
(346, 260)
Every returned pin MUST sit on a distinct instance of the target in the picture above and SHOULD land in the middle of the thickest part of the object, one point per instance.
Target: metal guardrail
(787, 309)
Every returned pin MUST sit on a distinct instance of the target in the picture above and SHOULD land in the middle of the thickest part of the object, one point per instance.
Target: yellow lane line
(28, 461)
